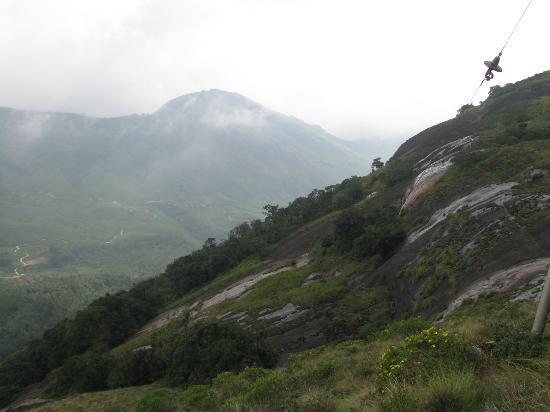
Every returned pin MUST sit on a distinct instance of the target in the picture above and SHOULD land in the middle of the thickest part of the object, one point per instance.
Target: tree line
(109, 320)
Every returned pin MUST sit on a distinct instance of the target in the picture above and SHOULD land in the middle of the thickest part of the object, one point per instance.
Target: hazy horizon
(381, 72)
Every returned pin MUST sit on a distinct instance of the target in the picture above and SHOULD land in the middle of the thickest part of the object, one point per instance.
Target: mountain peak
(207, 100)
(214, 108)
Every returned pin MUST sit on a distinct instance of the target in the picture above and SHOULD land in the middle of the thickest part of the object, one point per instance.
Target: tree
(208, 348)
(463, 108)
(349, 225)
(376, 164)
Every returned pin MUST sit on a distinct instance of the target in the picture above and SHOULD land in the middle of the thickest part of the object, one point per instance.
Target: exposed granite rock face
(196, 310)
(504, 281)
(287, 313)
(432, 168)
(535, 174)
(486, 228)
(495, 194)
(315, 276)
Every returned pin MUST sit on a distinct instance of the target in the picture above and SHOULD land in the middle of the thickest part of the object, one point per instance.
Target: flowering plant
(420, 354)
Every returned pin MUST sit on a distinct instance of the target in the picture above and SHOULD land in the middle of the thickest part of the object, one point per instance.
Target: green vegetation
(206, 349)
(498, 164)
(194, 356)
(109, 320)
(408, 366)
(515, 134)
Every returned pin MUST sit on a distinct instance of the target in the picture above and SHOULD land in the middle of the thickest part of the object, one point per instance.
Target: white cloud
(357, 68)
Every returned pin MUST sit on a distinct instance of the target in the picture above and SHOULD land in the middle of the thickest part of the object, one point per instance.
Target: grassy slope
(347, 377)
(280, 289)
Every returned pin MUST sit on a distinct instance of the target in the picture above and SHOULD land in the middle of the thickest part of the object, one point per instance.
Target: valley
(95, 205)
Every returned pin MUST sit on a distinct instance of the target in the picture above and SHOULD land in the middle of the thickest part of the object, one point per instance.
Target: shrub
(229, 384)
(136, 368)
(461, 391)
(270, 389)
(376, 234)
(422, 355)
(321, 373)
(403, 328)
(84, 373)
(208, 348)
(158, 401)
(512, 341)
(349, 225)
(198, 398)
(395, 171)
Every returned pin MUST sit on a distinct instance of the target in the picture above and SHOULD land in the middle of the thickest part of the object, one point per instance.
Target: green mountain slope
(454, 229)
(92, 205)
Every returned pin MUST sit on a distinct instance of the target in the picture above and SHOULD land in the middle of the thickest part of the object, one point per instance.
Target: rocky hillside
(461, 211)
(474, 196)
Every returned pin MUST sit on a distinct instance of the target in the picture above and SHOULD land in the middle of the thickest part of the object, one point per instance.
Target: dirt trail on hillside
(17, 274)
(24, 262)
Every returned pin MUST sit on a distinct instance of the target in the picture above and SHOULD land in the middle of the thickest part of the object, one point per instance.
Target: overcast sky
(360, 69)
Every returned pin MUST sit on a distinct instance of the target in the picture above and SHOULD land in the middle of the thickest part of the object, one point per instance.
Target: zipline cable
(477, 90)
(516, 26)
(503, 47)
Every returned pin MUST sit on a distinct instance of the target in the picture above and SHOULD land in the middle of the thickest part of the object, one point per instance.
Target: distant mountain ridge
(123, 196)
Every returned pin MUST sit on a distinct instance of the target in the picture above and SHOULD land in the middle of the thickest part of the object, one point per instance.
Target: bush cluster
(423, 354)
(192, 357)
(376, 234)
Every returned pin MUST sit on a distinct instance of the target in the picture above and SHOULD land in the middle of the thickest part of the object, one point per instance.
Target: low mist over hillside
(89, 205)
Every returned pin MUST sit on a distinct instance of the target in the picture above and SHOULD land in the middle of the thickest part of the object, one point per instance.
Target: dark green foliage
(349, 225)
(376, 234)
(194, 356)
(138, 367)
(361, 312)
(158, 401)
(207, 349)
(270, 389)
(395, 171)
(198, 398)
(380, 239)
(464, 108)
(322, 372)
(83, 373)
(376, 164)
(514, 341)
